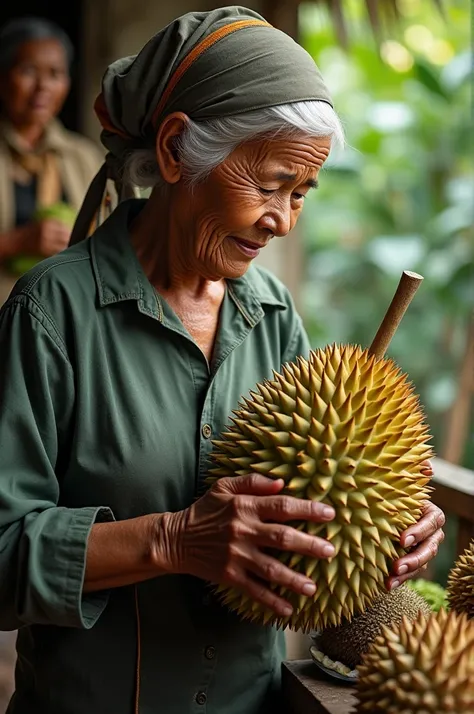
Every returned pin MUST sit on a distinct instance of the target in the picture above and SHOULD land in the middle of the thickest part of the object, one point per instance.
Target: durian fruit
(461, 583)
(346, 429)
(347, 642)
(420, 667)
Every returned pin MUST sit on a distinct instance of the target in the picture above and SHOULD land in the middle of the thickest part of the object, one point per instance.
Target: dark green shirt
(107, 411)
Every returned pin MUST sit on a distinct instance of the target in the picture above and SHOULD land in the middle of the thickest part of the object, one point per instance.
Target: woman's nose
(277, 221)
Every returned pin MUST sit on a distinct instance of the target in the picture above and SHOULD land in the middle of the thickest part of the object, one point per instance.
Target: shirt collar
(119, 275)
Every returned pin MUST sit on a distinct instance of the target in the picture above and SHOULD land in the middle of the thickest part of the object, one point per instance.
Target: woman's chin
(234, 270)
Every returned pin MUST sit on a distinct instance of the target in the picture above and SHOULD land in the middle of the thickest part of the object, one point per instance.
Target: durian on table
(460, 585)
(345, 428)
(420, 667)
(348, 642)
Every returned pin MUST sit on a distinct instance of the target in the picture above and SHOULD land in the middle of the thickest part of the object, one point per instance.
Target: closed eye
(267, 191)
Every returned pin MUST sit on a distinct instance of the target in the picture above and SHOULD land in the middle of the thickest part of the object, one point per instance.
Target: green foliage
(434, 594)
(399, 197)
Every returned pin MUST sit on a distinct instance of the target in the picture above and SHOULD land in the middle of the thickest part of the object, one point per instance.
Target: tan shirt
(79, 160)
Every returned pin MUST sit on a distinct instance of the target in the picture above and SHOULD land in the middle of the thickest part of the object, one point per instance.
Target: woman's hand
(426, 535)
(222, 538)
(44, 238)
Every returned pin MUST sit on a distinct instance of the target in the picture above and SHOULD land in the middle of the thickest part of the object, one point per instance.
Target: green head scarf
(206, 64)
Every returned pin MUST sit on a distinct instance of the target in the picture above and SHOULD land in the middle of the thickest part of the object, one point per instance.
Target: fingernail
(409, 541)
(403, 569)
(309, 589)
(329, 549)
(287, 611)
(328, 512)
(395, 584)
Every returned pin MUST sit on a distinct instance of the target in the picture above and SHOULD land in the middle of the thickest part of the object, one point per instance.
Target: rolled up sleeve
(42, 544)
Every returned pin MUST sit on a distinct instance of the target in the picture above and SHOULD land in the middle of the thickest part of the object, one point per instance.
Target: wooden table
(306, 690)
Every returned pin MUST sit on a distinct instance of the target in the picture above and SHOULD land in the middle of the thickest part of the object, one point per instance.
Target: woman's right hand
(222, 538)
(44, 238)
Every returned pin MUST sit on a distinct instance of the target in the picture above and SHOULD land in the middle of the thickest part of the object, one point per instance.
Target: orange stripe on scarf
(197, 52)
(103, 116)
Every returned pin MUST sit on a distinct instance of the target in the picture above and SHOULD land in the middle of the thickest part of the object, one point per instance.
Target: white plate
(347, 678)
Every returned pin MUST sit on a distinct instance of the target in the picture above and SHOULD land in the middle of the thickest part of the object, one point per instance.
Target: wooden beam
(453, 476)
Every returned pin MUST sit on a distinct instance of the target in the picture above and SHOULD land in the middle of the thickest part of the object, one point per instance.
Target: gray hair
(29, 29)
(204, 145)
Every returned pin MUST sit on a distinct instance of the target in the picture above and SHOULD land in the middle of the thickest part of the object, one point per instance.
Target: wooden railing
(454, 493)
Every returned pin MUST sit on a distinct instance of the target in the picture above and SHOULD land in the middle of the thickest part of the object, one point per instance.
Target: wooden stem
(407, 287)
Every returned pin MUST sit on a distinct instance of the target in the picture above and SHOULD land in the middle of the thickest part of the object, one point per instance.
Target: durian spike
(407, 287)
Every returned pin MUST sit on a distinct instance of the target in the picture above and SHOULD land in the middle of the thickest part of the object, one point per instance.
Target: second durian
(420, 667)
(348, 642)
(346, 429)
(461, 583)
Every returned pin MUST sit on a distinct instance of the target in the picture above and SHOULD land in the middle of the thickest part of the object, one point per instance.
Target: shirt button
(201, 698)
(206, 431)
(210, 652)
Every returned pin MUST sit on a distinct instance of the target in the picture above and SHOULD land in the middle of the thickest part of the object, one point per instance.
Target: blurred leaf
(390, 116)
(428, 78)
(441, 392)
(393, 254)
(453, 219)
(458, 71)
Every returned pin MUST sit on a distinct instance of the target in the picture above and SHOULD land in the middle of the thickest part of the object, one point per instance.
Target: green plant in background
(434, 594)
(400, 196)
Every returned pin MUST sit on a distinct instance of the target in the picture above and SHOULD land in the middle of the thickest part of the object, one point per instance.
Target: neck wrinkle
(162, 254)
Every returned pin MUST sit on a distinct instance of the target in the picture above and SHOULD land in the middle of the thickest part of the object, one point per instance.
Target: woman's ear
(167, 154)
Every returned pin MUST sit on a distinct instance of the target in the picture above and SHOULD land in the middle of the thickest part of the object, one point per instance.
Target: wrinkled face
(256, 194)
(33, 90)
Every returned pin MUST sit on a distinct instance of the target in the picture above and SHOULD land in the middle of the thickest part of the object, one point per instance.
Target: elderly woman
(44, 170)
(123, 356)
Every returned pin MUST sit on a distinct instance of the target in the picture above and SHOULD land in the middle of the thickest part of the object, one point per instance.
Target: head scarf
(206, 64)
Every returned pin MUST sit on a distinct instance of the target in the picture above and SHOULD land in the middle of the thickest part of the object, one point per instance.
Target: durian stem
(407, 287)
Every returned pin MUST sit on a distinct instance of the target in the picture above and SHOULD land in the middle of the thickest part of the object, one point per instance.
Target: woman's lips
(247, 247)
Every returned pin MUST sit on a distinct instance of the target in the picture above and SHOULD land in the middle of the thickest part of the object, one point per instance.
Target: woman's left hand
(426, 535)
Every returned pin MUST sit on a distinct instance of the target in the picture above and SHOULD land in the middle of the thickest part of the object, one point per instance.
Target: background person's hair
(205, 144)
(20, 30)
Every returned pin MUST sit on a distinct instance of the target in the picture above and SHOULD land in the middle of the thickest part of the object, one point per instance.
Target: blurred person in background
(44, 169)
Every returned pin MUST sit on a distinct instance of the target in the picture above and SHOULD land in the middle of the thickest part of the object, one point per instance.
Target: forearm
(127, 552)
